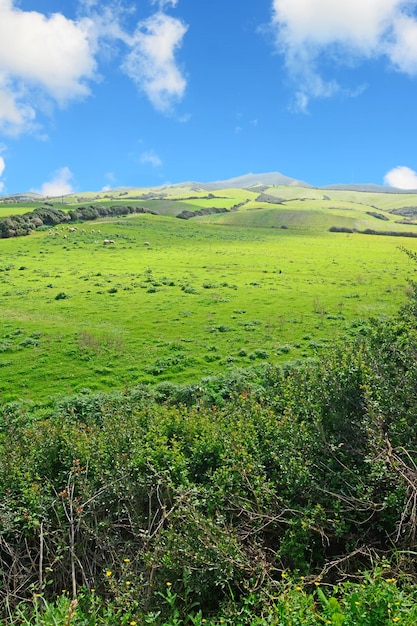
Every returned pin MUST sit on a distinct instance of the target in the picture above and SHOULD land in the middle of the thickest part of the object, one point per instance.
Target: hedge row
(19, 225)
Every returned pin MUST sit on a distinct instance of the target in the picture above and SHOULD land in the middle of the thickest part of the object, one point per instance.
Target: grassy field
(163, 505)
(200, 300)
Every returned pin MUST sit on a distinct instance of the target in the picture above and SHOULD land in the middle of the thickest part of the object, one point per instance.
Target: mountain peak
(255, 180)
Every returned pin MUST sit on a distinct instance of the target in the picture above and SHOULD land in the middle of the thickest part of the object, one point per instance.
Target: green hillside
(201, 298)
(246, 276)
(207, 408)
(259, 206)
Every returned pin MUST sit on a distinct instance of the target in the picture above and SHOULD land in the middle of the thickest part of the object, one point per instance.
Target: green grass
(378, 600)
(381, 200)
(313, 214)
(18, 209)
(298, 216)
(202, 299)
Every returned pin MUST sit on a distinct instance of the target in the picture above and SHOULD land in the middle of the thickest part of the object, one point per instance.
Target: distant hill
(370, 187)
(252, 182)
(268, 200)
(30, 196)
(249, 181)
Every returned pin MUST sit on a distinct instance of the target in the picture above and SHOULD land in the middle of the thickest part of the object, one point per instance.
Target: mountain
(370, 187)
(29, 196)
(254, 180)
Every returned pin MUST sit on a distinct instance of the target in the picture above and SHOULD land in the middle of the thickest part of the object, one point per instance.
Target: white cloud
(310, 31)
(401, 177)
(403, 49)
(48, 59)
(149, 59)
(59, 185)
(111, 181)
(151, 158)
(15, 115)
(54, 54)
(163, 3)
(151, 62)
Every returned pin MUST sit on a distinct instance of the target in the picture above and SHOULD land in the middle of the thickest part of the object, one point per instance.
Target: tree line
(21, 225)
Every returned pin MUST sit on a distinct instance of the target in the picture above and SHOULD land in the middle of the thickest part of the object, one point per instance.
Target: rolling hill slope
(270, 200)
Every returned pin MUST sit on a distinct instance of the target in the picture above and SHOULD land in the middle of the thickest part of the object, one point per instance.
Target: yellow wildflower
(108, 573)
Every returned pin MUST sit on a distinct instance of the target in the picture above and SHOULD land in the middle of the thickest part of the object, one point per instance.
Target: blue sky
(96, 94)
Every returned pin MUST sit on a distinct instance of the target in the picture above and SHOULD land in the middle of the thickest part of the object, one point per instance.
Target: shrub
(259, 353)
(62, 296)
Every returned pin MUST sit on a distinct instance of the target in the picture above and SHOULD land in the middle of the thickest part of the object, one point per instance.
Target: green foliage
(47, 215)
(218, 487)
(376, 601)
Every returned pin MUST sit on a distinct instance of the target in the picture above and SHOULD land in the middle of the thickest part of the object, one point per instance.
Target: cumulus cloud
(403, 49)
(56, 57)
(151, 62)
(310, 31)
(163, 3)
(150, 52)
(401, 177)
(151, 158)
(54, 54)
(59, 185)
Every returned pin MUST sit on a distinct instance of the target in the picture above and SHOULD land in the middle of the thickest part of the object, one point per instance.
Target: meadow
(210, 420)
(200, 300)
